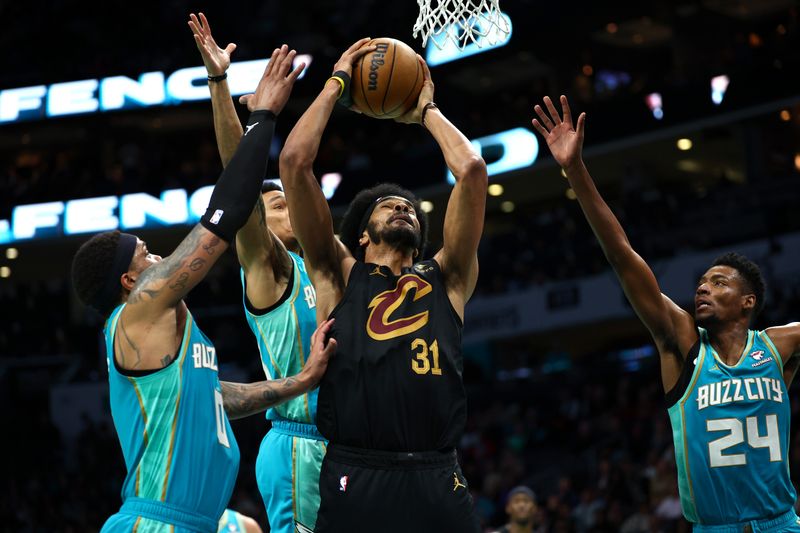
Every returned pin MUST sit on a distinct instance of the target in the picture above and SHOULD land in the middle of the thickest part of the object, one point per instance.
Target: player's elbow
(473, 171)
(294, 160)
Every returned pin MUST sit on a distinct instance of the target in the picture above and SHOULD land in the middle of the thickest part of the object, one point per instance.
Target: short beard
(405, 239)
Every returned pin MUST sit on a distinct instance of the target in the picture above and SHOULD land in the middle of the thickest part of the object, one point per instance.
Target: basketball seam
(416, 76)
(363, 92)
(389, 81)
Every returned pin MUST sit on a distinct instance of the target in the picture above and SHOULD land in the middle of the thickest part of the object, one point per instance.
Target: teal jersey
(731, 434)
(175, 436)
(283, 332)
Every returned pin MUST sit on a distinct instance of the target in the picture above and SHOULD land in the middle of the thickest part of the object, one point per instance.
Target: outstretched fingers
(581, 122)
(566, 110)
(552, 109)
(538, 126)
(545, 120)
(271, 63)
(296, 72)
(204, 22)
(286, 64)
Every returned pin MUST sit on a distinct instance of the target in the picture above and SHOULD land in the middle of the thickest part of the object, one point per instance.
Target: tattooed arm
(164, 284)
(245, 399)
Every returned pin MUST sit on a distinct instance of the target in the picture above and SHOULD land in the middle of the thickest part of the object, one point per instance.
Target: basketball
(386, 83)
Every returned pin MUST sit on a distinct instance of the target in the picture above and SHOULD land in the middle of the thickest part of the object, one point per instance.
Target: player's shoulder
(780, 334)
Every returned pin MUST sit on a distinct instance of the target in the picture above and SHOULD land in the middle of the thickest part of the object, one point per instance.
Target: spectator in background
(522, 510)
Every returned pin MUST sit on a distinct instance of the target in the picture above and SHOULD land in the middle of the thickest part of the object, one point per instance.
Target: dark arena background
(693, 136)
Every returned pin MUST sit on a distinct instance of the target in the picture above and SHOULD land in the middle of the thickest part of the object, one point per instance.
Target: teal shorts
(148, 516)
(287, 472)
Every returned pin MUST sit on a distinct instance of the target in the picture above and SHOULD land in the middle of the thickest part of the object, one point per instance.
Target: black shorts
(391, 492)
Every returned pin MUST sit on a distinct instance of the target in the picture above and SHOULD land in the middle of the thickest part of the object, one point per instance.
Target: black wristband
(217, 79)
(344, 93)
(429, 105)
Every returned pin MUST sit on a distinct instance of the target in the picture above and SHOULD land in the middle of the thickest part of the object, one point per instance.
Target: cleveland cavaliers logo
(380, 326)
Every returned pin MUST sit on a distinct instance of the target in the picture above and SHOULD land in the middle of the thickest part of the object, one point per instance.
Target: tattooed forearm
(180, 271)
(197, 264)
(245, 399)
(180, 283)
(210, 246)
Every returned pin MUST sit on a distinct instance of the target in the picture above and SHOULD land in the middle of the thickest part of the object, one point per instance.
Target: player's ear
(749, 302)
(128, 280)
(364, 240)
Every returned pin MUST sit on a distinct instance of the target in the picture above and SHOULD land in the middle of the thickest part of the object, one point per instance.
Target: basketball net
(461, 22)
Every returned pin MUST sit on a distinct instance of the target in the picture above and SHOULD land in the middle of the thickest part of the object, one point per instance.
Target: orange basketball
(386, 83)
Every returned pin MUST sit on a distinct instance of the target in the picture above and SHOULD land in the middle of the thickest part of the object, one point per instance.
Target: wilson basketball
(386, 83)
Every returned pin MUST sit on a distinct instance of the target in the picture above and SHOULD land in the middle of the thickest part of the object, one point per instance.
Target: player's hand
(356, 51)
(565, 141)
(320, 354)
(216, 59)
(414, 116)
(276, 84)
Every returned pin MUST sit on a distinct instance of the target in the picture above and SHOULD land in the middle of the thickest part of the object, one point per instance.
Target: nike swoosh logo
(250, 127)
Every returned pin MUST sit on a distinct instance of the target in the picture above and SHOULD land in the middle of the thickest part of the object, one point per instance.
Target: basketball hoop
(461, 22)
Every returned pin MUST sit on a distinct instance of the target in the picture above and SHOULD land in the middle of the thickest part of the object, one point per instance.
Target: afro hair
(350, 230)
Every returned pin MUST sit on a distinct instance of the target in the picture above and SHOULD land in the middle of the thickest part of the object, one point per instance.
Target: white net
(461, 22)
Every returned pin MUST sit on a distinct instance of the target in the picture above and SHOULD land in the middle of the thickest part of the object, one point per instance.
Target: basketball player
(168, 405)
(233, 522)
(279, 304)
(724, 382)
(392, 404)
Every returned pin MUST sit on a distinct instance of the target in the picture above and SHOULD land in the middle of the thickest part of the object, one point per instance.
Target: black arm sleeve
(238, 187)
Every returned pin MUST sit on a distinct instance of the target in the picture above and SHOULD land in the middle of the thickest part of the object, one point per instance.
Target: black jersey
(395, 381)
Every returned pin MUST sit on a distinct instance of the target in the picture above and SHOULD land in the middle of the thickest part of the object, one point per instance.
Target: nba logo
(343, 483)
(216, 216)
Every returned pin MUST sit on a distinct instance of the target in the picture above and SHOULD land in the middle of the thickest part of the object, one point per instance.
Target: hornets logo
(380, 325)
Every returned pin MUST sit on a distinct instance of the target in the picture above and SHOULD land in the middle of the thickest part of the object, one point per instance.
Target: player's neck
(729, 340)
(389, 256)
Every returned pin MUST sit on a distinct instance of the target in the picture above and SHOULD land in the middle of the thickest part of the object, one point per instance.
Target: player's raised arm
(227, 127)
(671, 327)
(255, 247)
(245, 399)
(463, 221)
(308, 209)
(164, 284)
